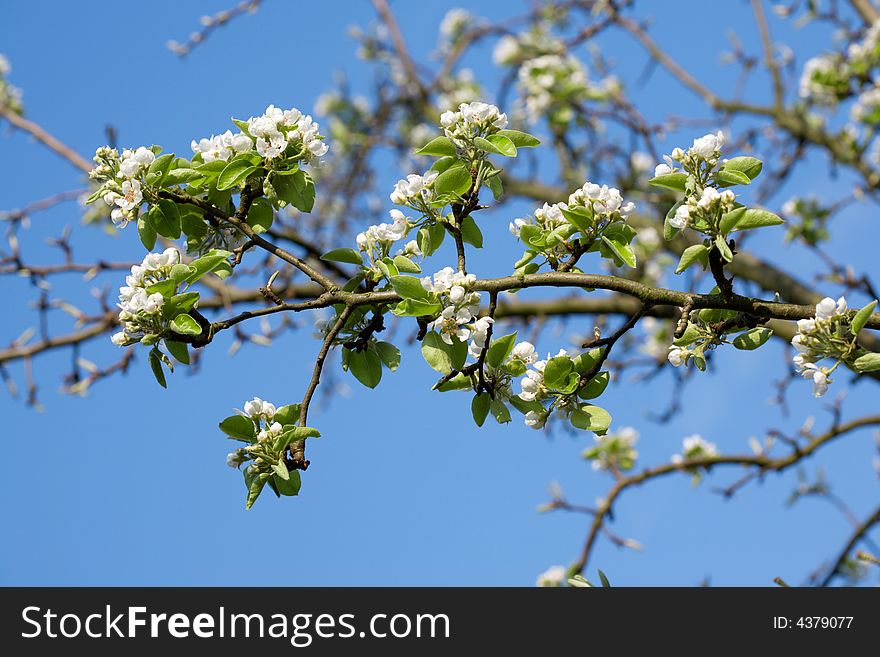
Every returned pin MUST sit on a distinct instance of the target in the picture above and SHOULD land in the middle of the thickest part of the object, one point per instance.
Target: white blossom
(681, 217)
(552, 577)
(131, 163)
(524, 351)
(257, 408)
(534, 420)
(677, 356)
(708, 146)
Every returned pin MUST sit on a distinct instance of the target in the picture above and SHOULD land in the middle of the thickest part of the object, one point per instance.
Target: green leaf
(211, 261)
(480, 407)
(729, 220)
(458, 382)
(579, 217)
(470, 232)
(867, 362)
(520, 139)
(288, 414)
(406, 265)
(431, 238)
(180, 176)
(499, 411)
(494, 183)
(753, 218)
(752, 339)
(723, 248)
(487, 146)
(439, 146)
(239, 427)
(595, 386)
(455, 180)
(156, 366)
(749, 166)
(166, 288)
(388, 268)
(500, 349)
(157, 170)
(179, 303)
(255, 487)
(585, 362)
(444, 163)
(179, 350)
(674, 181)
(441, 356)
(726, 178)
(281, 471)
(410, 287)
(296, 189)
(260, 215)
(861, 318)
(366, 367)
(348, 255)
(503, 145)
(388, 354)
(591, 418)
(185, 325)
(604, 580)
(146, 231)
(693, 254)
(290, 488)
(556, 372)
(416, 308)
(235, 173)
(623, 251)
(165, 218)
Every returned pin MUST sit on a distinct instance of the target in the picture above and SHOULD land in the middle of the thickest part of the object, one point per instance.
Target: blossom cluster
(704, 149)
(383, 234)
(139, 310)
(597, 207)
(461, 305)
(614, 451)
(415, 191)
(553, 577)
(262, 413)
(121, 178)
(695, 447)
(551, 85)
(276, 132)
(826, 78)
(817, 339)
(710, 204)
(476, 119)
(10, 96)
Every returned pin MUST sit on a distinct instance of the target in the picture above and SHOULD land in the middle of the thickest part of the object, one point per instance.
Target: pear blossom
(667, 167)
(272, 145)
(452, 324)
(131, 163)
(131, 196)
(708, 146)
(525, 352)
(534, 420)
(552, 577)
(695, 447)
(236, 459)
(677, 356)
(681, 217)
(413, 189)
(257, 408)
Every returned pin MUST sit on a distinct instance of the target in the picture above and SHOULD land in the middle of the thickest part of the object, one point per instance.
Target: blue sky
(129, 486)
